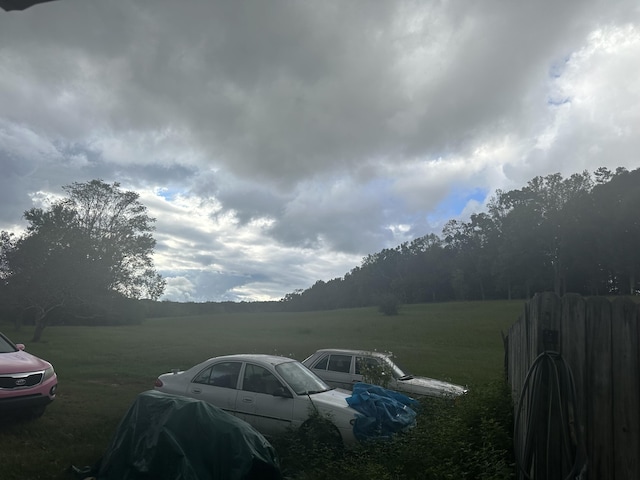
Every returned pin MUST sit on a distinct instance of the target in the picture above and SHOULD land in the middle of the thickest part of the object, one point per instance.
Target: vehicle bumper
(27, 401)
(348, 438)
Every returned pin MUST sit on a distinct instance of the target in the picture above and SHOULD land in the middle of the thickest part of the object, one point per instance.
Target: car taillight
(158, 382)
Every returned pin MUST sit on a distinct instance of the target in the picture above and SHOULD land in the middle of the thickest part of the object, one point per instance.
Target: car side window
(259, 380)
(339, 363)
(5, 346)
(220, 375)
(322, 364)
(366, 363)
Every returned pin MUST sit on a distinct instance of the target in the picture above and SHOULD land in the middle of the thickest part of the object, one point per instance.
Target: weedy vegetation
(101, 370)
(469, 438)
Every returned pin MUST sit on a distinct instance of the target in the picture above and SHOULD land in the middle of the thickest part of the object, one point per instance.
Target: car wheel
(319, 432)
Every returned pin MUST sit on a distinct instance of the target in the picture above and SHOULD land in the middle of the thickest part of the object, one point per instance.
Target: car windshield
(396, 371)
(6, 346)
(301, 379)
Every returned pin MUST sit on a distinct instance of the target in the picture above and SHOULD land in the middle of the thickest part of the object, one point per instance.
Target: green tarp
(167, 437)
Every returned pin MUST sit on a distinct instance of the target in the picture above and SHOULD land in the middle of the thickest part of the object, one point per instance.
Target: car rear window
(322, 364)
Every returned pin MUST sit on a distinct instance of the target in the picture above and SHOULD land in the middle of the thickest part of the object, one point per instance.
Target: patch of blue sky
(556, 102)
(557, 68)
(169, 194)
(455, 203)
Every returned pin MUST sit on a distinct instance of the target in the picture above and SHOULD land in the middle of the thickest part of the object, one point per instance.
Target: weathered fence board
(598, 391)
(574, 350)
(626, 390)
(600, 342)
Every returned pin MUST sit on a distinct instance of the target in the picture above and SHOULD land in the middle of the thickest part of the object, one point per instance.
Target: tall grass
(102, 369)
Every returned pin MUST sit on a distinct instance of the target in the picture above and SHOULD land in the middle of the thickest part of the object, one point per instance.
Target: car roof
(354, 352)
(256, 357)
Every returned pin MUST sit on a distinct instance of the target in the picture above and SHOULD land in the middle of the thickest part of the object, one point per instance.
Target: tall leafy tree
(89, 247)
(472, 244)
(427, 264)
(535, 232)
(617, 217)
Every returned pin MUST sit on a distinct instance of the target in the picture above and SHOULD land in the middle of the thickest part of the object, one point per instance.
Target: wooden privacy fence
(596, 342)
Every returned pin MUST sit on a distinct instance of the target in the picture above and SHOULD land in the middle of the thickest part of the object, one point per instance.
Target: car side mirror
(282, 392)
(20, 346)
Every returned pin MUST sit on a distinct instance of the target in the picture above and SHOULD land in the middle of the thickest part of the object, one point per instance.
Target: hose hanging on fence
(553, 442)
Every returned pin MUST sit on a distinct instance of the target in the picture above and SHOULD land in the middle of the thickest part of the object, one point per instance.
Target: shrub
(376, 373)
(467, 438)
(389, 305)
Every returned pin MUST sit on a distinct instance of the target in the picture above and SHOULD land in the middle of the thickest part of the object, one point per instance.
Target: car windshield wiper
(312, 392)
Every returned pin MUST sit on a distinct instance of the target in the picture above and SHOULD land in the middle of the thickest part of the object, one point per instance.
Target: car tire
(319, 432)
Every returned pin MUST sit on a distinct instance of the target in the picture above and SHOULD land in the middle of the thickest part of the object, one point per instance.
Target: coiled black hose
(552, 446)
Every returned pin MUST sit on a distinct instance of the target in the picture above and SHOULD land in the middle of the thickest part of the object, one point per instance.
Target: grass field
(102, 369)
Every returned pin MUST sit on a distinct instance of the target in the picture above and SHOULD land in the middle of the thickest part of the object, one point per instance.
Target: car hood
(335, 399)
(430, 387)
(21, 362)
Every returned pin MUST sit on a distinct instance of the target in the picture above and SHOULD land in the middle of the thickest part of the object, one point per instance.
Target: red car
(27, 383)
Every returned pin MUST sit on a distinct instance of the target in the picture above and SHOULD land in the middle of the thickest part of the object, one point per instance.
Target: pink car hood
(21, 362)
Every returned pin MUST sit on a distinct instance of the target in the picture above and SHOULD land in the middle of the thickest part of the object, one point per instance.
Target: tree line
(579, 234)
(87, 258)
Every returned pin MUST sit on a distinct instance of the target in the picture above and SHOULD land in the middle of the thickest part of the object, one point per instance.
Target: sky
(278, 143)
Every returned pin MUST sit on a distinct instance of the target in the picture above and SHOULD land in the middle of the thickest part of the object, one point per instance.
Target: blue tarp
(386, 412)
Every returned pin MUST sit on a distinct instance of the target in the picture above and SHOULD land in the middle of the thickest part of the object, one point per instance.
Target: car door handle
(247, 400)
(196, 390)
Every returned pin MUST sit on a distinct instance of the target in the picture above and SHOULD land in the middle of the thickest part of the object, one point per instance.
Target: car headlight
(48, 373)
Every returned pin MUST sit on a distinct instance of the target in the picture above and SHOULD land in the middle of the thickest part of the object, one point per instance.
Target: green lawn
(102, 369)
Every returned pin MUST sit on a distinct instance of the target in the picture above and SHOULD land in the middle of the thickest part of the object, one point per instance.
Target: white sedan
(269, 392)
(343, 368)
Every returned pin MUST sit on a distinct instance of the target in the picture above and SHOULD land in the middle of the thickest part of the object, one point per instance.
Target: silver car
(269, 392)
(343, 368)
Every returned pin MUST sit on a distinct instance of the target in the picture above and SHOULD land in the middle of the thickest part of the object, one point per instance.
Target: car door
(256, 404)
(336, 369)
(217, 384)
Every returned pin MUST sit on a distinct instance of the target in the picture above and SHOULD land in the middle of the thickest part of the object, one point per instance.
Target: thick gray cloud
(277, 143)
